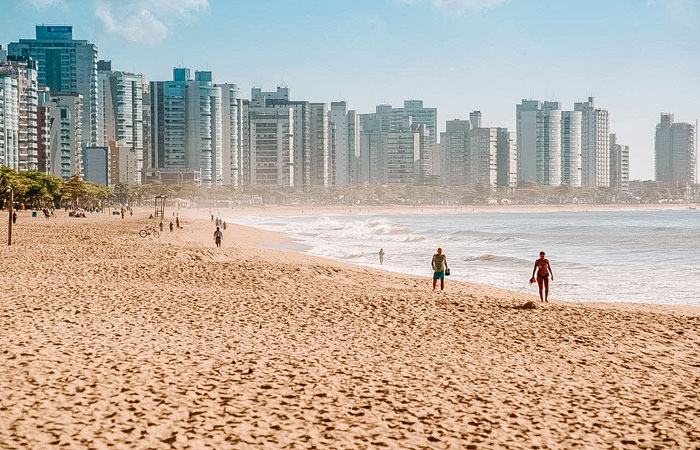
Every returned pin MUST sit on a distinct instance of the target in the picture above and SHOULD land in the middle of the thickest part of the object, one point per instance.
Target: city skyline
(399, 66)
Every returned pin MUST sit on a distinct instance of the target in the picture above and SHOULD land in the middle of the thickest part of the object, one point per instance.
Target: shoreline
(462, 209)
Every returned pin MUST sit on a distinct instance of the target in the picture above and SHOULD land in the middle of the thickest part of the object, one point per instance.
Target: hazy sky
(637, 57)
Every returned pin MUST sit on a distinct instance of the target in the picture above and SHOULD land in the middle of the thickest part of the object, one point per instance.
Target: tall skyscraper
(539, 142)
(65, 112)
(232, 127)
(187, 126)
(403, 153)
(482, 155)
(595, 145)
(419, 116)
(120, 120)
(302, 129)
(271, 146)
(619, 165)
(43, 128)
(506, 158)
(455, 141)
(65, 65)
(19, 101)
(203, 128)
(675, 152)
(320, 161)
(571, 148)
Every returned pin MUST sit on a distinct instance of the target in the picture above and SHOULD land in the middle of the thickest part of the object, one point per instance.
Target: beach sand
(109, 340)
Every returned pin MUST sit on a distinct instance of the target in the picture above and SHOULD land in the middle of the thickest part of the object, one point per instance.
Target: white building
(120, 119)
(271, 146)
(482, 156)
(419, 116)
(403, 153)
(232, 136)
(619, 165)
(675, 152)
(595, 144)
(455, 142)
(320, 157)
(203, 128)
(571, 148)
(19, 102)
(539, 142)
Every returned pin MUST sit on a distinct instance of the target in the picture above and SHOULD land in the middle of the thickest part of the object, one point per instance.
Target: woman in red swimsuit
(544, 270)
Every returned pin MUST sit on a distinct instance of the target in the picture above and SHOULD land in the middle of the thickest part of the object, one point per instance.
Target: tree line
(35, 189)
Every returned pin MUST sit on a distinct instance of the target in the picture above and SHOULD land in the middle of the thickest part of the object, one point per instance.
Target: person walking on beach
(177, 222)
(14, 217)
(381, 256)
(224, 225)
(123, 212)
(160, 225)
(218, 236)
(544, 270)
(439, 264)
(171, 227)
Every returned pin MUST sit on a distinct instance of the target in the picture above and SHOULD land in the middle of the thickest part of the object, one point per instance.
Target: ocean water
(620, 256)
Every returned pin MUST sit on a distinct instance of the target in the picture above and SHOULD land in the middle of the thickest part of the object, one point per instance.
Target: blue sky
(637, 57)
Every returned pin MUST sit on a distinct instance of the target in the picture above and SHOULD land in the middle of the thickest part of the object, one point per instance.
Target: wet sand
(109, 340)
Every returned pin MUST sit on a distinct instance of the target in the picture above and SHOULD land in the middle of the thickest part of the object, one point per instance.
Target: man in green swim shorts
(439, 267)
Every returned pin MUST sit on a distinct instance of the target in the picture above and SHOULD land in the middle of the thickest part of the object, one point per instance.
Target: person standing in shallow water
(439, 264)
(381, 256)
(544, 270)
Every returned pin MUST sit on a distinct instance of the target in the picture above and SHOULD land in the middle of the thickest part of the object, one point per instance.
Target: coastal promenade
(109, 340)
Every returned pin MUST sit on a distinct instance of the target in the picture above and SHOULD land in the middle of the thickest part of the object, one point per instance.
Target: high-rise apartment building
(403, 153)
(43, 129)
(619, 165)
(271, 146)
(203, 128)
(65, 116)
(482, 154)
(320, 161)
(120, 120)
(455, 142)
(675, 152)
(506, 158)
(539, 142)
(346, 143)
(595, 145)
(419, 116)
(65, 65)
(571, 148)
(232, 133)
(187, 126)
(19, 102)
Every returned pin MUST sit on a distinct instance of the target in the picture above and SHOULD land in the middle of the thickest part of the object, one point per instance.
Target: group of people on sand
(541, 272)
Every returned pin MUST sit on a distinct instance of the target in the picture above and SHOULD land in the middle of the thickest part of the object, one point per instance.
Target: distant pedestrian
(439, 264)
(177, 223)
(544, 270)
(160, 225)
(212, 217)
(122, 211)
(14, 216)
(218, 236)
(171, 227)
(224, 225)
(381, 256)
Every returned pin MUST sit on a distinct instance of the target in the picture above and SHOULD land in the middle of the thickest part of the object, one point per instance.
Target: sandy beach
(109, 340)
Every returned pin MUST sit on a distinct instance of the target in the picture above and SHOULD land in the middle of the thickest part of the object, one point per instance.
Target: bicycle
(149, 231)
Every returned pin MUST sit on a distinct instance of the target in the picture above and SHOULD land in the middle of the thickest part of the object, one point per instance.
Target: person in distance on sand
(381, 256)
(218, 236)
(544, 270)
(439, 264)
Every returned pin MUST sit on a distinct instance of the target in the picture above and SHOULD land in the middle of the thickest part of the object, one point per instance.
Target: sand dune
(111, 340)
